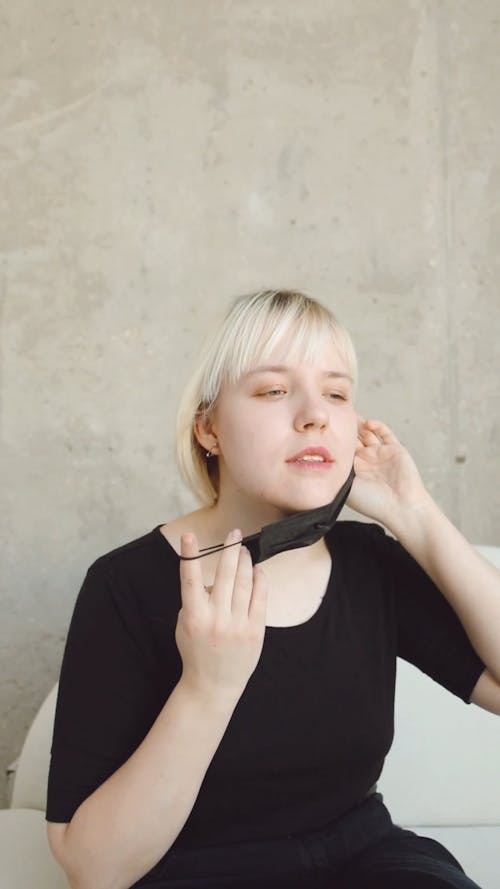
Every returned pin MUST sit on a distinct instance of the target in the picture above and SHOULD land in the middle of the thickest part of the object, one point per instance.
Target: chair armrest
(10, 774)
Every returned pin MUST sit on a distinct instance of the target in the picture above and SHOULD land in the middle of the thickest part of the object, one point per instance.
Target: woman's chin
(303, 504)
(312, 498)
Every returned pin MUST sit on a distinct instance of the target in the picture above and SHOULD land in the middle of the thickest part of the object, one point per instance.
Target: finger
(382, 431)
(225, 573)
(361, 423)
(192, 589)
(366, 435)
(258, 603)
(242, 591)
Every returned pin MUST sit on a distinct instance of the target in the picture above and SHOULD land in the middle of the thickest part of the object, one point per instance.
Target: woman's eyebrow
(283, 368)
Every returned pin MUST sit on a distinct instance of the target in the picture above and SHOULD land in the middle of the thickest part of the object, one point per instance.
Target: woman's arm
(468, 581)
(388, 488)
(123, 829)
(132, 819)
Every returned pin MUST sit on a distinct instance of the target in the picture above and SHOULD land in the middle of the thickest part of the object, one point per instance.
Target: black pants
(361, 850)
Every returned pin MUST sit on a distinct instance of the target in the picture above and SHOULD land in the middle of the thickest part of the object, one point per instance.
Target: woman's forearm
(469, 582)
(123, 829)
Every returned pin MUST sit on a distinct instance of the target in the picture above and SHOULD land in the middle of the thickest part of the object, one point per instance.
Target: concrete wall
(158, 158)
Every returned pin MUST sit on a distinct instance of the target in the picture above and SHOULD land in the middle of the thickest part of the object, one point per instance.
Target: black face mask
(300, 529)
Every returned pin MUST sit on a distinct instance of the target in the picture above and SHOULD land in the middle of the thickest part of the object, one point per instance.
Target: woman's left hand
(387, 479)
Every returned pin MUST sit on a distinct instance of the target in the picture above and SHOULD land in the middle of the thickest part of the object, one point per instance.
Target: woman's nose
(311, 414)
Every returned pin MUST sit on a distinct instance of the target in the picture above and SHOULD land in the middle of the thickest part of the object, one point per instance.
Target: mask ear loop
(208, 550)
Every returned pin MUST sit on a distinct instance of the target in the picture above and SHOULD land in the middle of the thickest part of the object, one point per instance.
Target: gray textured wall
(158, 158)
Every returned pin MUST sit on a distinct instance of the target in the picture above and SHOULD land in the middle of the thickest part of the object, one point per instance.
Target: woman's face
(274, 413)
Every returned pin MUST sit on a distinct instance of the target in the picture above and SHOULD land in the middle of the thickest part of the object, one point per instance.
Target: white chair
(440, 779)
(26, 861)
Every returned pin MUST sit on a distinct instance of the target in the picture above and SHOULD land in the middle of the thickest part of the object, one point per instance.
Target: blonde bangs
(259, 324)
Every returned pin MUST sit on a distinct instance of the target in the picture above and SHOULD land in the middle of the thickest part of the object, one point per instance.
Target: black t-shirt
(308, 737)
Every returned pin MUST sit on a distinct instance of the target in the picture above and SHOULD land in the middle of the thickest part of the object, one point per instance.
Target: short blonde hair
(254, 326)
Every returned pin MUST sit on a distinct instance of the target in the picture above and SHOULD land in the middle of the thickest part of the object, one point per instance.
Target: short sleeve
(107, 697)
(430, 634)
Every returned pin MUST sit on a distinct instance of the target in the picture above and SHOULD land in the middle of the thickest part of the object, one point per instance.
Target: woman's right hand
(220, 634)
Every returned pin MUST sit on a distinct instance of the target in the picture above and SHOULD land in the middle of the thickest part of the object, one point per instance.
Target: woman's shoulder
(355, 531)
(136, 550)
(193, 522)
(132, 577)
(366, 543)
(141, 563)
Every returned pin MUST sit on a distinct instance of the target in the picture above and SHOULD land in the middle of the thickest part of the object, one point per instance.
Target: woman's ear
(205, 433)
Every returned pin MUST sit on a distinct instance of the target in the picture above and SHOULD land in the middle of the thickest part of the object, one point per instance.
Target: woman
(222, 723)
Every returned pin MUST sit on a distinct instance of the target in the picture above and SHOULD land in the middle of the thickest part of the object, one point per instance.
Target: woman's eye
(334, 396)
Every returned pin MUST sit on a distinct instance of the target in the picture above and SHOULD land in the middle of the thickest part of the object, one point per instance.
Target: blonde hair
(254, 326)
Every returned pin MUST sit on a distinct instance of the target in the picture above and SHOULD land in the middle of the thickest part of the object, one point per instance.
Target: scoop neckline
(270, 628)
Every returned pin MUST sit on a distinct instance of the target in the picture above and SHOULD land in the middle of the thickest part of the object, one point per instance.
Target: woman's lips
(314, 465)
(315, 453)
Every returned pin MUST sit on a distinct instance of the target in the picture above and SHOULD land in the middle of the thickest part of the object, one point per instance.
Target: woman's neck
(214, 523)
(222, 518)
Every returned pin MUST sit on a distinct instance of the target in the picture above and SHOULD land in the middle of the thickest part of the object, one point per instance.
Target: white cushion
(443, 766)
(26, 861)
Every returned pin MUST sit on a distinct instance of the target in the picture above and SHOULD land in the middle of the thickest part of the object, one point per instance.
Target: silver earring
(209, 453)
